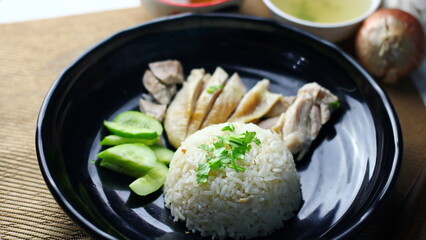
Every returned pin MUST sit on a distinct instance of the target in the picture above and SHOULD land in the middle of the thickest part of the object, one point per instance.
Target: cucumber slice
(139, 120)
(112, 140)
(131, 159)
(163, 154)
(151, 181)
(123, 130)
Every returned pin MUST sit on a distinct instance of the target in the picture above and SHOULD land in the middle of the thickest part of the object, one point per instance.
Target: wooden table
(33, 54)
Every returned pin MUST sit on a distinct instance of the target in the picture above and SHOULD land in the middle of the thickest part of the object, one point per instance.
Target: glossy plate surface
(345, 176)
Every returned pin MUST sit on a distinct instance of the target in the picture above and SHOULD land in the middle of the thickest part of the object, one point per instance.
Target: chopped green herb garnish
(203, 172)
(334, 105)
(227, 151)
(214, 88)
(92, 161)
(205, 147)
(229, 127)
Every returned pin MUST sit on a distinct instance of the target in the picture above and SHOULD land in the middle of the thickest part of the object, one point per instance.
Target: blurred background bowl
(158, 8)
(333, 32)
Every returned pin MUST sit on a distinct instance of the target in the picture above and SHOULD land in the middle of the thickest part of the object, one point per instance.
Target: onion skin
(390, 44)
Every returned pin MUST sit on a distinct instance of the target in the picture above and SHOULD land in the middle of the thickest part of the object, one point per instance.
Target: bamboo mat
(33, 54)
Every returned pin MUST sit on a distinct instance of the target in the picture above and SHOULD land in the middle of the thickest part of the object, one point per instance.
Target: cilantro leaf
(205, 147)
(203, 172)
(214, 88)
(334, 105)
(230, 127)
(257, 142)
(227, 151)
(215, 163)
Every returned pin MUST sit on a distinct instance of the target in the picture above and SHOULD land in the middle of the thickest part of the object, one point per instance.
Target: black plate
(345, 176)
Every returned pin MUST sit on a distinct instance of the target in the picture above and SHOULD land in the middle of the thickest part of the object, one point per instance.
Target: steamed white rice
(234, 204)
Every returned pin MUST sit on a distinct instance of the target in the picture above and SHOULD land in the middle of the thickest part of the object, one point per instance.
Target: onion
(417, 8)
(390, 44)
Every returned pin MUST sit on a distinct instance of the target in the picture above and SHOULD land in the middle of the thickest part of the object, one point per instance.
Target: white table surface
(26, 10)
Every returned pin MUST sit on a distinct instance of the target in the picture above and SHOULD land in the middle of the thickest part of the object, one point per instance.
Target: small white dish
(333, 32)
(158, 8)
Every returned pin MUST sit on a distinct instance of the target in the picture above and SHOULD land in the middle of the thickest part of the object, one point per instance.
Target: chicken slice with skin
(157, 111)
(161, 92)
(255, 103)
(296, 125)
(280, 107)
(278, 127)
(305, 117)
(227, 101)
(322, 97)
(268, 123)
(205, 102)
(180, 110)
(206, 78)
(168, 71)
(275, 117)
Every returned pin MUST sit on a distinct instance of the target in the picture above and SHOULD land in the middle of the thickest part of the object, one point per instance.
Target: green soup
(324, 11)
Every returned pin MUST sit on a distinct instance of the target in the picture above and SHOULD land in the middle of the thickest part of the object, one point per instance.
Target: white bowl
(333, 32)
(158, 8)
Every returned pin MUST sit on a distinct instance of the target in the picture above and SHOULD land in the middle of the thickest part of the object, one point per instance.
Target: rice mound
(234, 204)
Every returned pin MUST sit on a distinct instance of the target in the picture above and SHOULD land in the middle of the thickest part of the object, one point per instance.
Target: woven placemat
(33, 54)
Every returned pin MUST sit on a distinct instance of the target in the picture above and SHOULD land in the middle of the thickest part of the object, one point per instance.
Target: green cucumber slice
(123, 130)
(151, 181)
(139, 120)
(163, 154)
(131, 159)
(112, 140)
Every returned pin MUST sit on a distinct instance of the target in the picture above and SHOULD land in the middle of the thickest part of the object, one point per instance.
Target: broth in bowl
(324, 11)
(332, 20)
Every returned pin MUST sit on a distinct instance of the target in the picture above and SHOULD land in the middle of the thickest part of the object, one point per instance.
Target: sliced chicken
(268, 123)
(180, 110)
(148, 97)
(206, 78)
(296, 126)
(227, 101)
(322, 97)
(205, 102)
(161, 92)
(154, 110)
(168, 72)
(304, 118)
(278, 127)
(280, 107)
(255, 103)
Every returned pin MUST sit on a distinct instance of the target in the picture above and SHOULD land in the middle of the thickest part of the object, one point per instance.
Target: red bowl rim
(193, 5)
